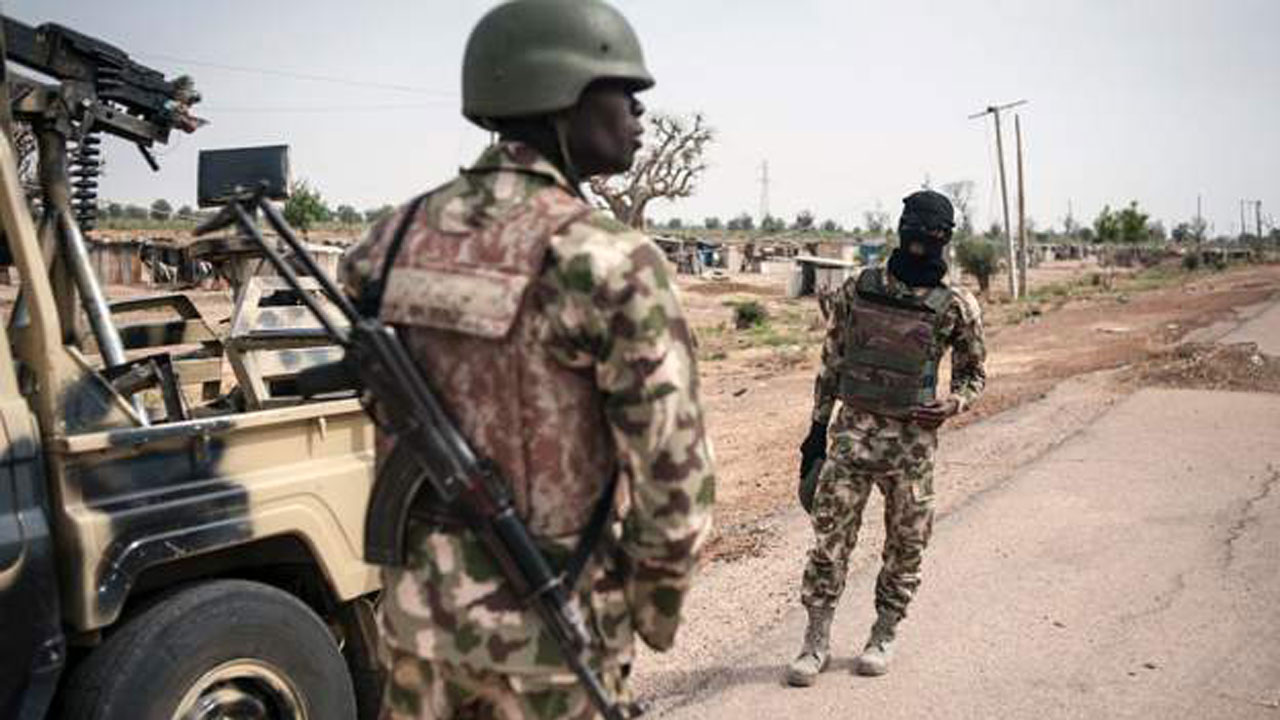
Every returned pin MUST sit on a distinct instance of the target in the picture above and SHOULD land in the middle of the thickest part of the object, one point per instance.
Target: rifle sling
(371, 298)
(591, 534)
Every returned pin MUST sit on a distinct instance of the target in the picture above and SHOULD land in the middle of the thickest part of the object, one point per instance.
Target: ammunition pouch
(855, 390)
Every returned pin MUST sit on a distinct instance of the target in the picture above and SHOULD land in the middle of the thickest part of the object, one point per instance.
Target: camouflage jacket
(960, 329)
(602, 307)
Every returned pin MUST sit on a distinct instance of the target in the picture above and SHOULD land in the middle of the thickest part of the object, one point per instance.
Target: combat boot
(815, 652)
(875, 657)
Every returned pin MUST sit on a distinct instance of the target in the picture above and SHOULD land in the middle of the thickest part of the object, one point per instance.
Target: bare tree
(668, 167)
(960, 193)
(877, 221)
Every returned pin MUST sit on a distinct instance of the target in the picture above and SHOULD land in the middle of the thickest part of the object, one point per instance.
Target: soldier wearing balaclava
(887, 330)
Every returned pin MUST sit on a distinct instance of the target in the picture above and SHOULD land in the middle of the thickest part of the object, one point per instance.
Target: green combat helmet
(533, 57)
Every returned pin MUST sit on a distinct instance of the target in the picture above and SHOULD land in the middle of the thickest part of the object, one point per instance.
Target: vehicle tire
(220, 648)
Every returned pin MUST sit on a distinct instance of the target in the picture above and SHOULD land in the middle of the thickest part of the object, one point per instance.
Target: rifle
(431, 456)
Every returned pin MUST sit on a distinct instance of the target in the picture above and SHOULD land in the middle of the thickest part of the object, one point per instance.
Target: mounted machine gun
(99, 89)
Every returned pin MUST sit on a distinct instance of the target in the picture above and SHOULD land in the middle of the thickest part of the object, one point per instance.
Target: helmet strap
(560, 122)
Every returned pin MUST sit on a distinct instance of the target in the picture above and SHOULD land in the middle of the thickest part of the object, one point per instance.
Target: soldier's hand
(814, 447)
(935, 413)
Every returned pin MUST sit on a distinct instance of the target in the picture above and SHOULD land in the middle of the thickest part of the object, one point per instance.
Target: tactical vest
(462, 304)
(890, 352)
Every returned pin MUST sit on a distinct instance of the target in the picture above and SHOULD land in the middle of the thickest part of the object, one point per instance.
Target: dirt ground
(757, 383)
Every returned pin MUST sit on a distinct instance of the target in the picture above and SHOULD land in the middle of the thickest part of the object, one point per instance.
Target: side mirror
(227, 174)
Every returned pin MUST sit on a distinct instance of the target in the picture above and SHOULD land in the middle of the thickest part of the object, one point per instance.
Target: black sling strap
(370, 301)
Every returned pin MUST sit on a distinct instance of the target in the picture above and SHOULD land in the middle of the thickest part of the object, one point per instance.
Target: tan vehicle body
(136, 508)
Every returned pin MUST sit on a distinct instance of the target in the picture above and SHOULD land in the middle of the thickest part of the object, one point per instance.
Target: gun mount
(98, 88)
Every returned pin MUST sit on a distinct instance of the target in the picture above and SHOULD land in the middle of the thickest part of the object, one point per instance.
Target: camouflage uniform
(556, 340)
(872, 449)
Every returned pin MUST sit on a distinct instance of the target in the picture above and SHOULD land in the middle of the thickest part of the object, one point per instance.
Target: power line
(319, 109)
(300, 76)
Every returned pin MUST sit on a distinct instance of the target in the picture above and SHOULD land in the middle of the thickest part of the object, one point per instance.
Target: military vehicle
(176, 541)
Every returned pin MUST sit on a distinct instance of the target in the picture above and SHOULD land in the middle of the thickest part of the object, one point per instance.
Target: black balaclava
(927, 218)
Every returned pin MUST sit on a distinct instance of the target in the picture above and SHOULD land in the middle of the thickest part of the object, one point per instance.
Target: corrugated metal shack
(163, 261)
(119, 262)
(814, 275)
(692, 256)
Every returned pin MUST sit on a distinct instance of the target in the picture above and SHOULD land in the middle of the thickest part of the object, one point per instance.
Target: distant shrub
(749, 314)
(980, 259)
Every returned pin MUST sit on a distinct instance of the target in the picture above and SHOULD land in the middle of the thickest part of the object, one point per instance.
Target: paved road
(1262, 328)
(1133, 571)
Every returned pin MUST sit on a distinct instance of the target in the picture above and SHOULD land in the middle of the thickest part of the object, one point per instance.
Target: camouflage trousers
(421, 689)
(897, 458)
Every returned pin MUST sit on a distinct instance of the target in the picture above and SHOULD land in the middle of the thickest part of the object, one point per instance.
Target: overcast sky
(853, 104)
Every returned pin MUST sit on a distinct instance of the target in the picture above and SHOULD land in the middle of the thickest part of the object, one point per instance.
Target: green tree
(115, 210)
(186, 213)
(772, 224)
(161, 209)
(804, 221)
(1129, 225)
(831, 226)
(348, 215)
(374, 215)
(742, 222)
(135, 212)
(1106, 227)
(712, 223)
(675, 224)
(305, 207)
(979, 258)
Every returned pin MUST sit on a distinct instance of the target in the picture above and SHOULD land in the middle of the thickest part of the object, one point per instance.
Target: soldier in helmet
(887, 330)
(555, 338)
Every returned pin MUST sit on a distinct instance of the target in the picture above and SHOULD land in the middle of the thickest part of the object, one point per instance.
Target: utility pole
(1022, 210)
(764, 191)
(1199, 222)
(994, 112)
(1257, 216)
(1243, 228)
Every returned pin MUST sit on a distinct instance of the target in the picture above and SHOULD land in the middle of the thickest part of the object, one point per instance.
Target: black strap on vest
(370, 301)
(370, 304)
(591, 534)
